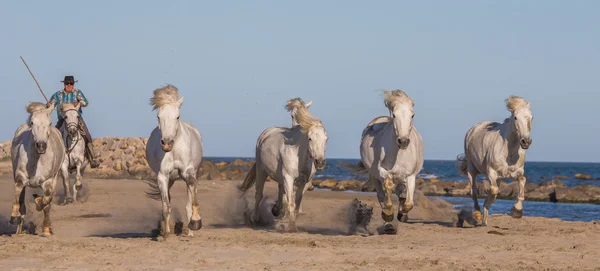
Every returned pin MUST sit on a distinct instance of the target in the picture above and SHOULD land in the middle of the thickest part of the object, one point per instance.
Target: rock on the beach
(580, 176)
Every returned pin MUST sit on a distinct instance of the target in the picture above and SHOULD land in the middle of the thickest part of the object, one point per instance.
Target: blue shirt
(62, 96)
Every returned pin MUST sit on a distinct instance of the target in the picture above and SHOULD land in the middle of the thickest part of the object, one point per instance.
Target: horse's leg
(66, 177)
(278, 206)
(472, 175)
(517, 209)
(400, 189)
(18, 211)
(408, 203)
(163, 186)
(77, 185)
(45, 203)
(307, 185)
(491, 198)
(259, 185)
(193, 208)
(384, 195)
(288, 183)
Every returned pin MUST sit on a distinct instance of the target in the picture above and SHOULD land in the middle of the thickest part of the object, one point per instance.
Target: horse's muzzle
(320, 164)
(167, 145)
(403, 143)
(40, 147)
(526, 143)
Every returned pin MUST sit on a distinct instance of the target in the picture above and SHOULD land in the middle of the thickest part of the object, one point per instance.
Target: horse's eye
(177, 117)
(413, 116)
(393, 115)
(515, 118)
(309, 139)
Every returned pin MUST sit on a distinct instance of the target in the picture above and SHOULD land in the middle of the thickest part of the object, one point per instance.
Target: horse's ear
(49, 109)
(307, 105)
(180, 102)
(77, 107)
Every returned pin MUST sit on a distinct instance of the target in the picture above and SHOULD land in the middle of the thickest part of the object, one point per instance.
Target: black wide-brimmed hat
(69, 79)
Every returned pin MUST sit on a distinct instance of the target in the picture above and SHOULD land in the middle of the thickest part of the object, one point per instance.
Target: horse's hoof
(516, 213)
(16, 220)
(78, 186)
(163, 229)
(38, 204)
(69, 200)
(292, 228)
(47, 232)
(387, 218)
(389, 228)
(402, 217)
(195, 224)
(276, 210)
(477, 215)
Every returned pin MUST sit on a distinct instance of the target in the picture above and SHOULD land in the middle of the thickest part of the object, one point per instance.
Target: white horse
(287, 156)
(497, 150)
(391, 150)
(37, 154)
(174, 150)
(75, 150)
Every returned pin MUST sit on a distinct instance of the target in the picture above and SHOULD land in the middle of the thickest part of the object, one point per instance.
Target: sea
(536, 172)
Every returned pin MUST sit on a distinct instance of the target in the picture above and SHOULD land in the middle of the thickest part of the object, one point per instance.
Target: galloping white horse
(37, 154)
(174, 150)
(391, 150)
(287, 156)
(75, 150)
(497, 150)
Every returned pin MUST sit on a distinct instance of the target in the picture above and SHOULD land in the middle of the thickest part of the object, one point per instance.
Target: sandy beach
(112, 231)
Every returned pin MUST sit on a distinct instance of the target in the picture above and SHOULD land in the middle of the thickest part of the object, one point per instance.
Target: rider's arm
(52, 100)
(83, 102)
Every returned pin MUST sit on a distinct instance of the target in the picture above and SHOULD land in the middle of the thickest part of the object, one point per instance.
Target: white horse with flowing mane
(37, 154)
(391, 150)
(497, 150)
(288, 156)
(174, 150)
(75, 149)
(293, 106)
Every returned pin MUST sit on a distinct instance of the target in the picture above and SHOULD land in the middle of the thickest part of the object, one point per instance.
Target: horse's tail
(249, 180)
(354, 168)
(461, 164)
(154, 192)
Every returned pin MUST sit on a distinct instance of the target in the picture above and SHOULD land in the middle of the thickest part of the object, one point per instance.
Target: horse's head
(317, 145)
(521, 118)
(70, 114)
(402, 113)
(40, 123)
(166, 101)
(317, 137)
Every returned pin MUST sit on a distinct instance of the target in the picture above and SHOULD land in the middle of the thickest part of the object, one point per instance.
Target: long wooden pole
(36, 82)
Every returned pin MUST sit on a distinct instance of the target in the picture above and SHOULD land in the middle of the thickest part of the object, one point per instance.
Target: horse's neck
(301, 140)
(509, 134)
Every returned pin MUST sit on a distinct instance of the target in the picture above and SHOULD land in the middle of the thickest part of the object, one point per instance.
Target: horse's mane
(304, 118)
(165, 95)
(33, 107)
(67, 106)
(392, 98)
(515, 102)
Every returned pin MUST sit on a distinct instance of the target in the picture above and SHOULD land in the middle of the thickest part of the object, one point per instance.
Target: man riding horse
(69, 94)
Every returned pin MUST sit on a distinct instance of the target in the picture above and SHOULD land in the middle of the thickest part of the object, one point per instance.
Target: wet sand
(112, 231)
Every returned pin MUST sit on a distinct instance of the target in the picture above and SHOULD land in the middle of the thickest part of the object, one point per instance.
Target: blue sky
(237, 62)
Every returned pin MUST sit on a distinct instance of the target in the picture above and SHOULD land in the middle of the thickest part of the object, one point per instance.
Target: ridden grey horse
(287, 156)
(75, 150)
(37, 154)
(174, 150)
(497, 150)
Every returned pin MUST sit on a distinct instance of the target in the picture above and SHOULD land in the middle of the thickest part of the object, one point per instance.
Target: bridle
(68, 138)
